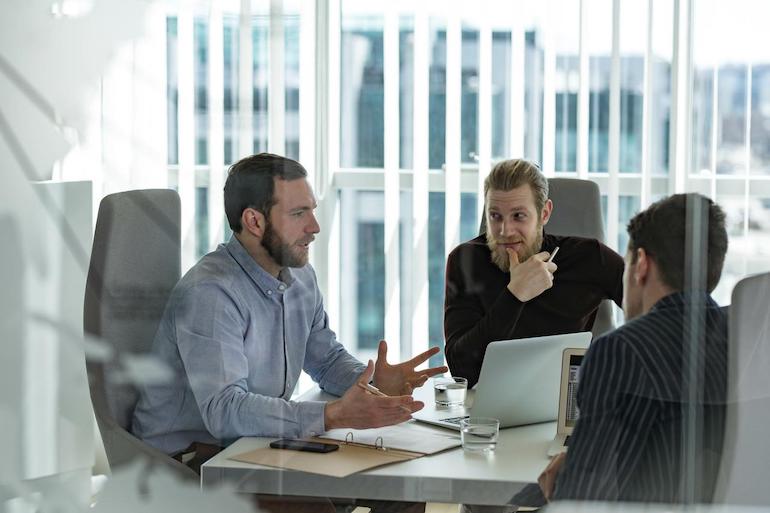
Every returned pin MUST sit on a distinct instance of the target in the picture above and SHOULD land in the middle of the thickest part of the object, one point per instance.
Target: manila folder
(348, 459)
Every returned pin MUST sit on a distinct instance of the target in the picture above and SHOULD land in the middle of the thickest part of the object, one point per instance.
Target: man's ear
(545, 215)
(253, 221)
(642, 266)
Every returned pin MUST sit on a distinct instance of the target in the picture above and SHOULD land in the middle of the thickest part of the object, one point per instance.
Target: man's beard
(280, 251)
(500, 256)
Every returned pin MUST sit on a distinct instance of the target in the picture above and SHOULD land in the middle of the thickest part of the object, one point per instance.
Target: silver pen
(553, 254)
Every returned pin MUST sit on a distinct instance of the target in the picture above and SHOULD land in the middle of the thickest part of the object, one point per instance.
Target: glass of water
(479, 434)
(449, 391)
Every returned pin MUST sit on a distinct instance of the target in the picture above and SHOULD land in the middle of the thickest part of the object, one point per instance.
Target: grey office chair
(135, 262)
(746, 453)
(577, 212)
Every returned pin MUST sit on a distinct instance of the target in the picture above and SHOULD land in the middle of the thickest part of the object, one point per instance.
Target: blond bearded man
(501, 285)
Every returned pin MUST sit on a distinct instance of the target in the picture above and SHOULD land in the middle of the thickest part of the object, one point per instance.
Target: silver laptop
(568, 410)
(518, 384)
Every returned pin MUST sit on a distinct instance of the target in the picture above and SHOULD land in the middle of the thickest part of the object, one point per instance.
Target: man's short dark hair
(250, 184)
(662, 228)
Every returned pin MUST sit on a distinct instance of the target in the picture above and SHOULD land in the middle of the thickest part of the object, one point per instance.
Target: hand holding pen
(364, 406)
(532, 277)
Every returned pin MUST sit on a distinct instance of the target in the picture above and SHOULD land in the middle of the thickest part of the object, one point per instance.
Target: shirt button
(281, 287)
(269, 292)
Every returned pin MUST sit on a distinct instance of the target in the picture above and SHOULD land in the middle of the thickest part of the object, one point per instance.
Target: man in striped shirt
(652, 393)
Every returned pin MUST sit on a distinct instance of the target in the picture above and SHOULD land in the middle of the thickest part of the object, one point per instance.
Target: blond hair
(512, 173)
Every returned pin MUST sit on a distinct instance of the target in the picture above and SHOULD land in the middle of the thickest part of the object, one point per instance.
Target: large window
(583, 90)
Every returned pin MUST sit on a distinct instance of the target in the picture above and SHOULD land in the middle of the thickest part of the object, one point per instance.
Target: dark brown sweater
(479, 308)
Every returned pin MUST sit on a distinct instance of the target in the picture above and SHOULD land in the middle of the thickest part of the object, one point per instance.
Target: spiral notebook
(360, 449)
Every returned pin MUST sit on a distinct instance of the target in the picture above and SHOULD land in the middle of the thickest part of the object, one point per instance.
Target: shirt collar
(678, 300)
(263, 279)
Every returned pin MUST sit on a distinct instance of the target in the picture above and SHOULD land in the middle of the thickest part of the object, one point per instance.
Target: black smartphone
(302, 445)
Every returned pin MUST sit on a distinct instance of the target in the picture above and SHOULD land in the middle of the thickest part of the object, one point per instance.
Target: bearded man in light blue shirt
(243, 323)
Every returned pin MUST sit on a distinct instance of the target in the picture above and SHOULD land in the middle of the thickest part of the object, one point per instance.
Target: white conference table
(453, 476)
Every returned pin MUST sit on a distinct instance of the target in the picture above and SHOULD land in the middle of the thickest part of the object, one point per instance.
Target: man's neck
(260, 255)
(653, 294)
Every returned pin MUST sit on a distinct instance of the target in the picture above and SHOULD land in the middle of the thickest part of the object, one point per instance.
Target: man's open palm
(402, 378)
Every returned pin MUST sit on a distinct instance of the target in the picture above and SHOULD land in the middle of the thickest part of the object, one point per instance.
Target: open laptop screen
(572, 387)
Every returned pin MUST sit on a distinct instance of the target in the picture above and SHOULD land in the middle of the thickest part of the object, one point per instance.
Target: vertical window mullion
(276, 106)
(517, 83)
(327, 91)
(420, 194)
(747, 153)
(583, 98)
(714, 129)
(307, 88)
(186, 124)
(392, 193)
(328, 14)
(549, 102)
(646, 167)
(485, 110)
(453, 120)
(681, 80)
(216, 209)
(245, 82)
(614, 131)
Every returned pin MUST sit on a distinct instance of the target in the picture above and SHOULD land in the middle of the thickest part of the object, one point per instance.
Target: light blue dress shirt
(236, 339)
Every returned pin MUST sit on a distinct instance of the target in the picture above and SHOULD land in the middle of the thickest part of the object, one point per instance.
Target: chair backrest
(577, 211)
(746, 453)
(135, 263)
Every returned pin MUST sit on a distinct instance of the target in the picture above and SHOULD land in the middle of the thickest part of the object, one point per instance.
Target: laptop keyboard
(455, 420)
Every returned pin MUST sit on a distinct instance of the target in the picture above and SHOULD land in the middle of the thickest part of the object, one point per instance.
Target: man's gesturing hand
(402, 378)
(360, 409)
(532, 277)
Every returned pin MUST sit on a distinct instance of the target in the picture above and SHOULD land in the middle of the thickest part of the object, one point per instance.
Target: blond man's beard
(500, 255)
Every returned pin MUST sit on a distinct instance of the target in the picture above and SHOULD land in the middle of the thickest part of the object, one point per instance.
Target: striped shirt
(635, 397)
